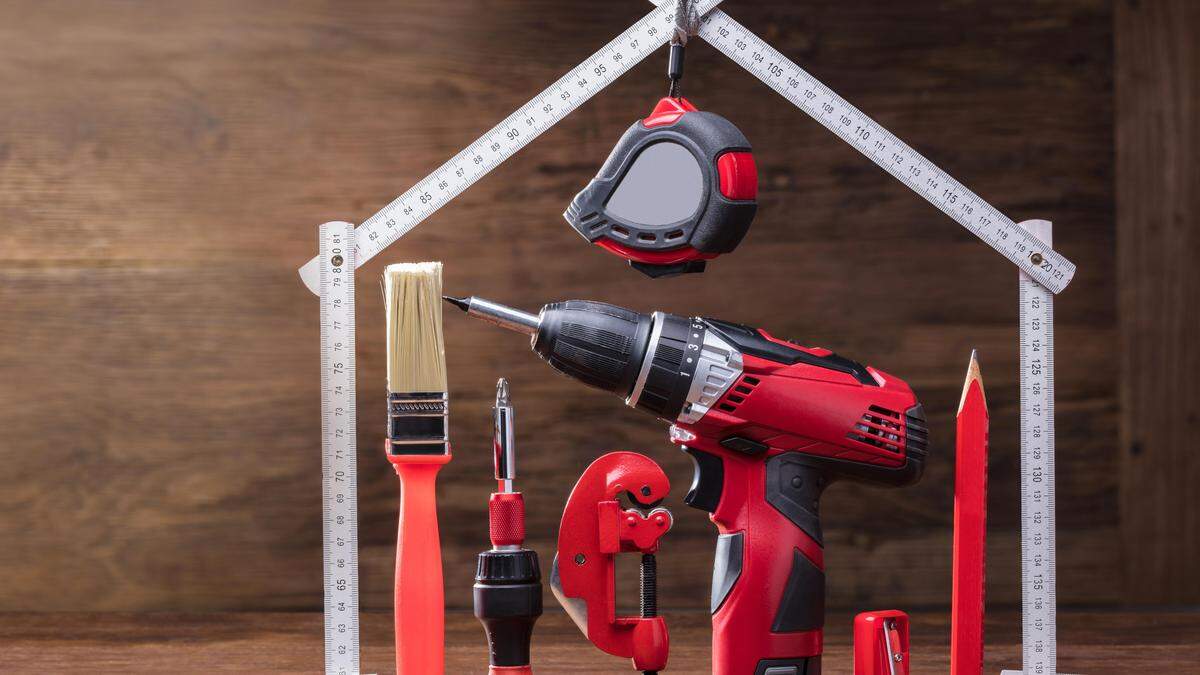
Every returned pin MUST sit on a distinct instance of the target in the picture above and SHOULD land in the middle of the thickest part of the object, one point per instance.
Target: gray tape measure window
(663, 186)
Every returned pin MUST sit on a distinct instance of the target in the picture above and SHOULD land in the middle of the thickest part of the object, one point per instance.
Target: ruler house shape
(1044, 272)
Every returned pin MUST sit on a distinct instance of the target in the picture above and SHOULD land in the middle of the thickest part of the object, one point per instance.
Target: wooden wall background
(163, 167)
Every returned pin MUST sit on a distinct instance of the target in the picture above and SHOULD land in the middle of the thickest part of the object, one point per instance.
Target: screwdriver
(508, 579)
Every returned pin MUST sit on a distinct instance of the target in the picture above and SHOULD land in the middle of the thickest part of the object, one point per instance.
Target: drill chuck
(639, 357)
(643, 358)
(598, 344)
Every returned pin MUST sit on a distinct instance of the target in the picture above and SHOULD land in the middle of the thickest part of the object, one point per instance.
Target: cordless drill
(768, 424)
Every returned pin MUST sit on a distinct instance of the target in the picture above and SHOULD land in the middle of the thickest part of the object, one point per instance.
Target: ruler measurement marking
(986, 222)
(339, 475)
(506, 138)
(514, 132)
(1038, 596)
(850, 124)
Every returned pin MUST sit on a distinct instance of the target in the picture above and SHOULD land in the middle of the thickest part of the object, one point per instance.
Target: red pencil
(970, 527)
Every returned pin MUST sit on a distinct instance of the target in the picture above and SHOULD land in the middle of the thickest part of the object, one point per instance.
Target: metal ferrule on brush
(417, 423)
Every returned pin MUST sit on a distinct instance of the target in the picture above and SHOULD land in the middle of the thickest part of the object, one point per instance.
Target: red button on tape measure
(678, 189)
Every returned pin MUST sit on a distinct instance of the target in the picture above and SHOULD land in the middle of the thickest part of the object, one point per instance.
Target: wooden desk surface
(1092, 643)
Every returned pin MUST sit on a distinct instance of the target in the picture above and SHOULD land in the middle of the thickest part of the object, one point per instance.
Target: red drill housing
(769, 424)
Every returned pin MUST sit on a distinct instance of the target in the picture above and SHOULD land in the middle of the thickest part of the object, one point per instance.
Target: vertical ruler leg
(1038, 605)
(339, 475)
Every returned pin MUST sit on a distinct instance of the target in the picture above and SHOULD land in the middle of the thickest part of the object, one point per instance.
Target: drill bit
(503, 445)
(494, 312)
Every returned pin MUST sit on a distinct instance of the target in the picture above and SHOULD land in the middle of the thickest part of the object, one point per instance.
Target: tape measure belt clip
(679, 188)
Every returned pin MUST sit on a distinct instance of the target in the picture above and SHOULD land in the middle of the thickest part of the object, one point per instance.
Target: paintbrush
(417, 446)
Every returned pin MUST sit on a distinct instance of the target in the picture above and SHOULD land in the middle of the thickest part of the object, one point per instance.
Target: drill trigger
(708, 480)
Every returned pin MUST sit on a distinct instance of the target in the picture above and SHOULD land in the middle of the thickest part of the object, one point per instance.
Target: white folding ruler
(510, 135)
(559, 99)
(1043, 272)
(339, 445)
(881, 146)
(1039, 646)
(1041, 265)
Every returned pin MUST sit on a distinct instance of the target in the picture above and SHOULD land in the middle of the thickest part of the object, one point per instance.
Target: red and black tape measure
(678, 189)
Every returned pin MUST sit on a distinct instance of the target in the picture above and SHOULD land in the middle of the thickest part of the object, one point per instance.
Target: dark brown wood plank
(163, 167)
(1158, 172)
(1092, 642)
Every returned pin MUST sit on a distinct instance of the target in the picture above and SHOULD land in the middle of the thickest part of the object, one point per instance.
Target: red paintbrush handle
(419, 595)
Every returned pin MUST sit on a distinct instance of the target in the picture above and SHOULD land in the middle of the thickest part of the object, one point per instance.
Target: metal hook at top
(687, 22)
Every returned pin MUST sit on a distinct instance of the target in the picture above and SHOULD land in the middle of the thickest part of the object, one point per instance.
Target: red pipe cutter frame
(594, 529)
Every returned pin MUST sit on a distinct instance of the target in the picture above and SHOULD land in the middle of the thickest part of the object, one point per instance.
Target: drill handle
(768, 587)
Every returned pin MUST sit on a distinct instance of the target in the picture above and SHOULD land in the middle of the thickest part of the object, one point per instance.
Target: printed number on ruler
(506, 138)
(339, 476)
(821, 103)
(1038, 616)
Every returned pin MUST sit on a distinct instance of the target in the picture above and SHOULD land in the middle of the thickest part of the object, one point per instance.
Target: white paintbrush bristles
(416, 357)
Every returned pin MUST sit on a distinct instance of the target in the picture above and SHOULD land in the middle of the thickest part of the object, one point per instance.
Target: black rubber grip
(508, 601)
(802, 606)
(599, 344)
(719, 223)
(804, 665)
(794, 486)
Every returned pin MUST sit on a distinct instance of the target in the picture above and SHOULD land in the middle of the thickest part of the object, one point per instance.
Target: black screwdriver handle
(508, 601)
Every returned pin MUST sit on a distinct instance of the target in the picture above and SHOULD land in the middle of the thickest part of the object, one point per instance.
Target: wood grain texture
(1158, 173)
(163, 168)
(1097, 643)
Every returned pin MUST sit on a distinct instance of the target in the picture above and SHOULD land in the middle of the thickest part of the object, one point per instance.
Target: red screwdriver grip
(506, 519)
(420, 629)
(768, 576)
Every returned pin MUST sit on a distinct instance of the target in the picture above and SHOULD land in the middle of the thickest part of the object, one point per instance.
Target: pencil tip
(973, 375)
